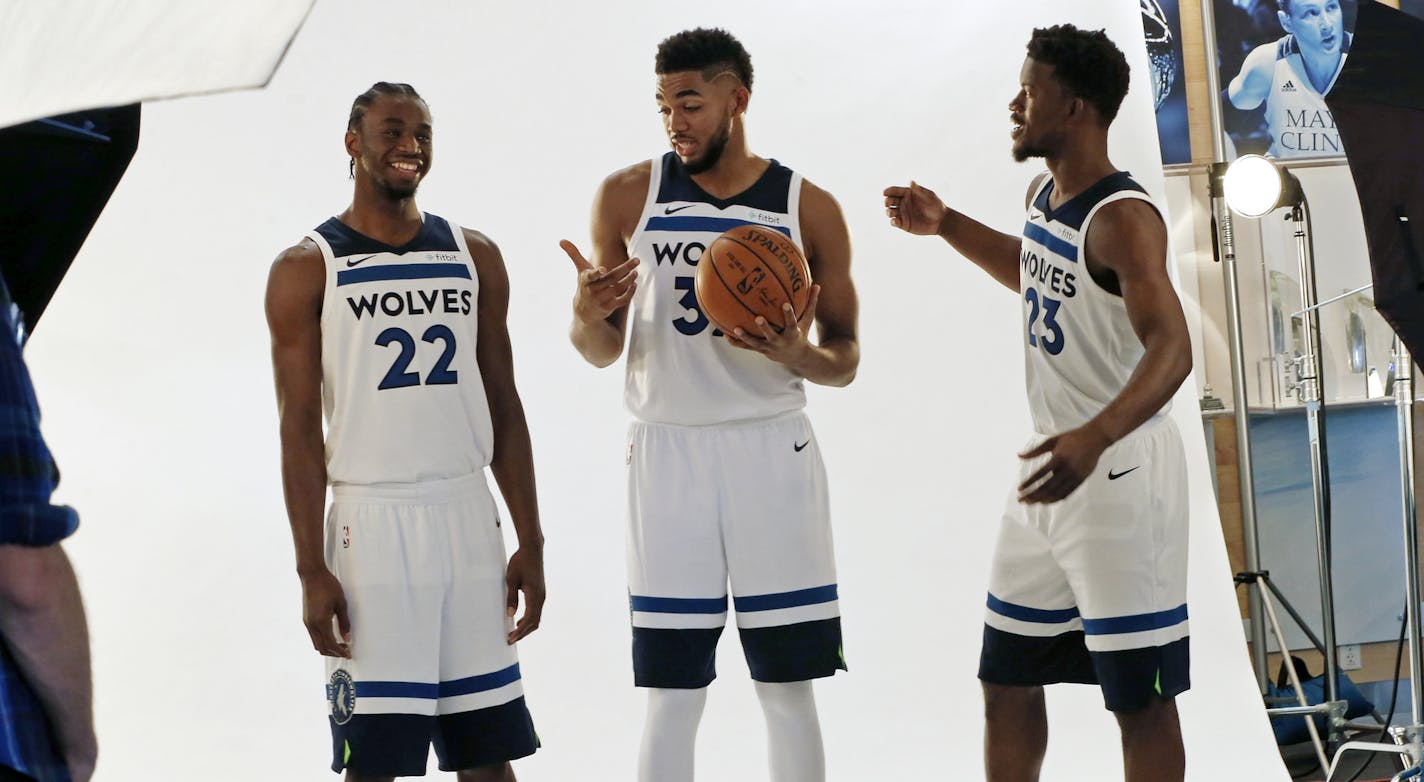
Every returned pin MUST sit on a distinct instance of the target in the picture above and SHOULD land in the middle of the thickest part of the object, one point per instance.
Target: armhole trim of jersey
(1120, 195)
(1038, 185)
(459, 235)
(328, 261)
(655, 175)
(793, 209)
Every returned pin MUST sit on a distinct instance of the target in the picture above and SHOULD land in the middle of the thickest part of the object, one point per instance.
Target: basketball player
(719, 413)
(393, 322)
(1089, 577)
(1293, 74)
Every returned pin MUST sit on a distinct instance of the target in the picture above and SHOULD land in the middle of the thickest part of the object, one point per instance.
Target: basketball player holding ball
(725, 479)
(1089, 576)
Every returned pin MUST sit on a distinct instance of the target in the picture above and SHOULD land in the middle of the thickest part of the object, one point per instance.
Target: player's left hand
(524, 574)
(1072, 457)
(791, 345)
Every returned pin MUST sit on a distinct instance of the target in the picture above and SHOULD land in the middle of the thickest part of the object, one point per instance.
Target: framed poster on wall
(1278, 59)
(1162, 27)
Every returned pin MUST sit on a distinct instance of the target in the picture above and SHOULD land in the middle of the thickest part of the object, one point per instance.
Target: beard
(715, 147)
(1044, 147)
(395, 192)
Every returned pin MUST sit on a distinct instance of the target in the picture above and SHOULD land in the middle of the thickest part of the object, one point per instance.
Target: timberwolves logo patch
(341, 694)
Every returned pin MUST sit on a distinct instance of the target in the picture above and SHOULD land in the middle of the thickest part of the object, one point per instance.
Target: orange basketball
(748, 271)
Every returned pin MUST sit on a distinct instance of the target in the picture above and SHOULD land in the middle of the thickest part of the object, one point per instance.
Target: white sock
(793, 732)
(670, 734)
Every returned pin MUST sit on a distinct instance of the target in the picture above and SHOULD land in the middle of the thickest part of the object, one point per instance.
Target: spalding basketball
(748, 271)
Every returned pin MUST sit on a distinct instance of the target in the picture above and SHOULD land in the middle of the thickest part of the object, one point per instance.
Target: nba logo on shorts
(341, 694)
(346, 537)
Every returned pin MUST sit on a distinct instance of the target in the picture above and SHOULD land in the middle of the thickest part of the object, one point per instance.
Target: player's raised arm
(607, 283)
(916, 209)
(1251, 86)
(294, 292)
(513, 461)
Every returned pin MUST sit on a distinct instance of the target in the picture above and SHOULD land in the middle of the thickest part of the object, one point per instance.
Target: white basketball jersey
(1297, 118)
(1080, 346)
(402, 392)
(681, 370)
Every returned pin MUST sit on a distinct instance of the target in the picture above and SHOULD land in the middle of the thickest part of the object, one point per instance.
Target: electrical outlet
(1350, 657)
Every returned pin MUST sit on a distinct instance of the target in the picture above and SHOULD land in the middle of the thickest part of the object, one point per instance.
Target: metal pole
(1404, 406)
(1305, 708)
(1308, 387)
(1221, 217)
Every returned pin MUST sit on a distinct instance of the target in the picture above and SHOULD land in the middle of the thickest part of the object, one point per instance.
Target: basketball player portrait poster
(1278, 60)
(1162, 28)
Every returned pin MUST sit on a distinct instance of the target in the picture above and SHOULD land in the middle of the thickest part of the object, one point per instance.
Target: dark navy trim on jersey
(398, 745)
(769, 192)
(403, 271)
(794, 653)
(1027, 614)
(1136, 623)
(435, 235)
(1060, 247)
(800, 597)
(1076, 209)
(430, 691)
(675, 659)
(678, 605)
(708, 224)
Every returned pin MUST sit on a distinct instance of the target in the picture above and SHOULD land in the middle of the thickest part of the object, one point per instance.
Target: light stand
(1254, 186)
(1225, 246)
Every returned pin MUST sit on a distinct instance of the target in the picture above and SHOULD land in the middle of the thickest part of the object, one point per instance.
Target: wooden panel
(1377, 664)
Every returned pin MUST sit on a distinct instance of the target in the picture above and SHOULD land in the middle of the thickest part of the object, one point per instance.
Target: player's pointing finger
(580, 262)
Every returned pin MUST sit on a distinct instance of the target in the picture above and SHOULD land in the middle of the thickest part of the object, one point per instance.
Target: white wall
(153, 370)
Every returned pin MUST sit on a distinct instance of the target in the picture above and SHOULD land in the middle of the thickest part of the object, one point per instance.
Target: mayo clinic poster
(1278, 60)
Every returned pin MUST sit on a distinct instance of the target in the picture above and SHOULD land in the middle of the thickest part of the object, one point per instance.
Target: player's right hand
(601, 291)
(914, 209)
(322, 599)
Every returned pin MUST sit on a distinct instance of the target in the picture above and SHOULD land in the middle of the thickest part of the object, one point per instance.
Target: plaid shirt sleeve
(28, 473)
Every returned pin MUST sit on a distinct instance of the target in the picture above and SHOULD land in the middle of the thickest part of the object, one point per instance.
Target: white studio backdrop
(78, 54)
(153, 371)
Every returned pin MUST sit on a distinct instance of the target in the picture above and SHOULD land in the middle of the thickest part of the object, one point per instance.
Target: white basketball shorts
(744, 503)
(1093, 589)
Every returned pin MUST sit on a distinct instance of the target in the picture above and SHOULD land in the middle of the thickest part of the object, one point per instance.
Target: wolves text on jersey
(1057, 279)
(451, 301)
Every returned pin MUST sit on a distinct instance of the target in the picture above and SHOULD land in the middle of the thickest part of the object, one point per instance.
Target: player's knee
(1157, 718)
(787, 699)
(498, 773)
(1010, 701)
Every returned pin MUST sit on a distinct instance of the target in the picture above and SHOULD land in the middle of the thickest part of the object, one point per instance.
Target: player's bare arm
(833, 308)
(916, 209)
(1129, 239)
(513, 461)
(42, 622)
(294, 292)
(607, 283)
(1251, 86)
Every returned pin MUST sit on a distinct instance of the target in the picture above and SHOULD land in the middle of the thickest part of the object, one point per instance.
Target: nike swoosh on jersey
(801, 446)
(669, 210)
(1112, 476)
(358, 261)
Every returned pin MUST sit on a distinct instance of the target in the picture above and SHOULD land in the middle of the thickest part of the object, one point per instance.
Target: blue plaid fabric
(27, 478)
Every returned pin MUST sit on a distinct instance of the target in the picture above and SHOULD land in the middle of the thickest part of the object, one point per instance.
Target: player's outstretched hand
(323, 598)
(791, 345)
(1072, 457)
(914, 209)
(525, 574)
(601, 291)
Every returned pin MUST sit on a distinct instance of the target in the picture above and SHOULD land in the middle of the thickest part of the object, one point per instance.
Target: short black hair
(1086, 62)
(365, 99)
(709, 51)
